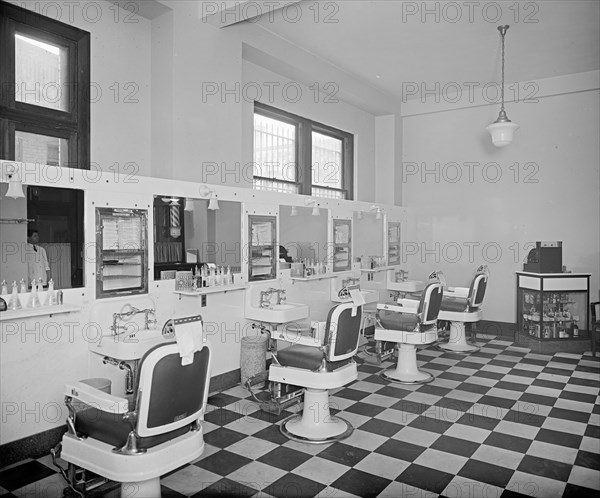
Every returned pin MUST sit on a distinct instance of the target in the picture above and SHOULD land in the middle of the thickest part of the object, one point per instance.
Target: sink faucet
(265, 298)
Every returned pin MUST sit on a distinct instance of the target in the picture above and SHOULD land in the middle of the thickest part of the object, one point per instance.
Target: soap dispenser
(51, 297)
(34, 300)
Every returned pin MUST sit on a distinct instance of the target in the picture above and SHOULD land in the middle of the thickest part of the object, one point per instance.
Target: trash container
(253, 356)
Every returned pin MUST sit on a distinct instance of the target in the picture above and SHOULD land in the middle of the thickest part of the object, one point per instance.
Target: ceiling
(388, 43)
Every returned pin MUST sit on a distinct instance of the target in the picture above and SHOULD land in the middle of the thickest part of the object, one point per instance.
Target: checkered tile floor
(499, 422)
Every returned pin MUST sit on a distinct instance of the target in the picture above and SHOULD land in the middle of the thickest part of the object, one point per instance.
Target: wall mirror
(303, 233)
(57, 215)
(368, 236)
(187, 233)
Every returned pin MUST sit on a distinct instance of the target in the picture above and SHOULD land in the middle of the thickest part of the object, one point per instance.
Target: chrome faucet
(116, 327)
(265, 298)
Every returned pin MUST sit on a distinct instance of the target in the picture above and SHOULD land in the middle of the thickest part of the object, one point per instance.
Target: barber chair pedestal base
(457, 342)
(406, 370)
(315, 425)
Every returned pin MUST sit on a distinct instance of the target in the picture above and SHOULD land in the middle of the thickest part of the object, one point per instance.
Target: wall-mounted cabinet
(122, 252)
(393, 243)
(262, 257)
(342, 245)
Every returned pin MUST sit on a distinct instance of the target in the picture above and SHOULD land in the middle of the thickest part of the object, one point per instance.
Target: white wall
(548, 189)
(120, 81)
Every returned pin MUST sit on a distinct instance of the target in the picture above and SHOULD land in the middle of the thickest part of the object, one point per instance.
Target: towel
(357, 300)
(188, 334)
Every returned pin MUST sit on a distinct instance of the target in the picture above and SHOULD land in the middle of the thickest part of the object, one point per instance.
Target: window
(296, 155)
(45, 82)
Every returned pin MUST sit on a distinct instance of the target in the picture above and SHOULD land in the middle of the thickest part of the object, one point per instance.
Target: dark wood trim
(72, 124)
(304, 129)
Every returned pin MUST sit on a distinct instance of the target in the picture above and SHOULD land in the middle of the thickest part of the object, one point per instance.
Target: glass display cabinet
(262, 258)
(393, 243)
(342, 245)
(122, 252)
(552, 311)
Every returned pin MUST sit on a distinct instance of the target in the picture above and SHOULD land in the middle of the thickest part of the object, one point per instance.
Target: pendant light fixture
(503, 128)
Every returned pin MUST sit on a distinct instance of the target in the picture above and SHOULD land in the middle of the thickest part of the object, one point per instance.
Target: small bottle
(59, 297)
(229, 278)
(51, 297)
(40, 285)
(14, 303)
(34, 300)
(4, 288)
(22, 286)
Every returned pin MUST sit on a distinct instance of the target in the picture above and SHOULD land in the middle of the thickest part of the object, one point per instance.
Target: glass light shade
(360, 215)
(502, 132)
(315, 211)
(378, 215)
(189, 205)
(213, 204)
(294, 211)
(15, 188)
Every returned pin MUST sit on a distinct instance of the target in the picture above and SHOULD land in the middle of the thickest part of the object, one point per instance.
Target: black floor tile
(294, 486)
(425, 478)
(284, 458)
(549, 384)
(558, 438)
(473, 388)
(223, 437)
(496, 401)
(572, 415)
(222, 462)
(486, 374)
(577, 381)
(454, 404)
(587, 459)
(22, 475)
(344, 454)
(272, 434)
(431, 424)
(508, 442)
(381, 427)
(521, 372)
(453, 376)
(511, 386)
(351, 394)
(502, 363)
(524, 417)
(545, 468)
(433, 389)
(413, 407)
(574, 491)
(538, 399)
(393, 392)
(581, 397)
(222, 399)
(221, 416)
(366, 409)
(400, 449)
(226, 487)
(486, 472)
(472, 420)
(360, 483)
(455, 446)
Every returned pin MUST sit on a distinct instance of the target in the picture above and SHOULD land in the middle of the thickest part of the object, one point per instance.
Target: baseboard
(40, 444)
(504, 330)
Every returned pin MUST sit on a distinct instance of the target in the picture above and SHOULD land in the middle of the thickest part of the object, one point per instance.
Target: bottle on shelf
(34, 300)
(4, 288)
(14, 303)
(51, 297)
(22, 286)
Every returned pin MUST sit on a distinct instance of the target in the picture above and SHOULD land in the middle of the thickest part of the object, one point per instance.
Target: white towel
(189, 340)
(357, 300)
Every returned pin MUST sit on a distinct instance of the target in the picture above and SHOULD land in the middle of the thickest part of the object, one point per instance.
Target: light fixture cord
(502, 33)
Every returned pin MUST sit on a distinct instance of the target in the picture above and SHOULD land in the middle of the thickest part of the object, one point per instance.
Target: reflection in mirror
(368, 238)
(187, 233)
(302, 234)
(57, 216)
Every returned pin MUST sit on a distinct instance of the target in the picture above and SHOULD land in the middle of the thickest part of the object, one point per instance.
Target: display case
(262, 258)
(393, 243)
(122, 252)
(552, 311)
(342, 245)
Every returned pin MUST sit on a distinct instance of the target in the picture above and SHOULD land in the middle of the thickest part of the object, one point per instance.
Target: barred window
(296, 155)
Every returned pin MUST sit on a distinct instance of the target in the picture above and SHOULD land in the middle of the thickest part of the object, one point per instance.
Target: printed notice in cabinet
(342, 234)
(261, 234)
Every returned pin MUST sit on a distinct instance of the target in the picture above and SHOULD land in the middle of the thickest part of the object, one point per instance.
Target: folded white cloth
(188, 335)
(357, 300)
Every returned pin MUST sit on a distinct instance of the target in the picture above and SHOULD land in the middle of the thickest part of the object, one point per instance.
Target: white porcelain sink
(128, 346)
(406, 286)
(278, 313)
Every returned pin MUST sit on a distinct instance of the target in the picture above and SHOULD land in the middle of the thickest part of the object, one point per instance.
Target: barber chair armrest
(96, 398)
(460, 292)
(404, 306)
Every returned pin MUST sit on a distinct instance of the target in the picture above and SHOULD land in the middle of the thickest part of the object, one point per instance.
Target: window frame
(73, 124)
(304, 129)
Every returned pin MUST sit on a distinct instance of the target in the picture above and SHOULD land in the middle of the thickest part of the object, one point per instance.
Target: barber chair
(317, 369)
(110, 438)
(462, 305)
(410, 323)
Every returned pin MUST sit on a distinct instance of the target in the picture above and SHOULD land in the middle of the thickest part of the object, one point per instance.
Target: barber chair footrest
(335, 429)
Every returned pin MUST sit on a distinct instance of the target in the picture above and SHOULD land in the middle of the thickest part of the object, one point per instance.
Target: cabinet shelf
(9, 315)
